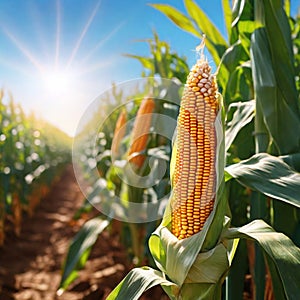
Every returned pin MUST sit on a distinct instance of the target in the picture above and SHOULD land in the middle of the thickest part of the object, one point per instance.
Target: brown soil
(30, 265)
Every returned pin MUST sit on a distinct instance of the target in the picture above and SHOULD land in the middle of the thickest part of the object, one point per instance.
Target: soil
(30, 265)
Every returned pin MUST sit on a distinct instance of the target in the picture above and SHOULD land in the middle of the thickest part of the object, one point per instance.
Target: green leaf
(238, 270)
(269, 175)
(177, 17)
(145, 61)
(282, 256)
(203, 291)
(175, 257)
(243, 114)
(273, 77)
(138, 281)
(278, 28)
(293, 160)
(213, 35)
(80, 248)
(234, 56)
(209, 266)
(227, 15)
(214, 42)
(237, 10)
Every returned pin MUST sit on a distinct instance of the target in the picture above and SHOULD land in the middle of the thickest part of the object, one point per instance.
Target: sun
(57, 80)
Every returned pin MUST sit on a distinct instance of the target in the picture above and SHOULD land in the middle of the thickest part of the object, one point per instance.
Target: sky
(57, 56)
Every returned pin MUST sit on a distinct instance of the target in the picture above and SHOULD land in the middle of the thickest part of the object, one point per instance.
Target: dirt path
(30, 264)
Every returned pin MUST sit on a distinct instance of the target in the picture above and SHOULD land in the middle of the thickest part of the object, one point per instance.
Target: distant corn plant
(32, 155)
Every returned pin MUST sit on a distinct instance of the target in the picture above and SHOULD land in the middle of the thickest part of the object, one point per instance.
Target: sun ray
(83, 33)
(23, 49)
(15, 66)
(58, 27)
(102, 42)
(97, 66)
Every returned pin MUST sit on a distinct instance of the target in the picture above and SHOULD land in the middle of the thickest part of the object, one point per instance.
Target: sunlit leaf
(237, 10)
(80, 248)
(177, 17)
(145, 61)
(279, 250)
(227, 15)
(278, 29)
(273, 77)
(292, 160)
(269, 175)
(214, 37)
(215, 42)
(138, 281)
(243, 114)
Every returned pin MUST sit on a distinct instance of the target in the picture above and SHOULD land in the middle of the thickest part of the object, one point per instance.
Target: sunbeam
(97, 66)
(58, 26)
(102, 42)
(23, 49)
(14, 65)
(62, 75)
(83, 33)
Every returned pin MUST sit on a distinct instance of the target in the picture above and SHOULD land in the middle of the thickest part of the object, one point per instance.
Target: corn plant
(261, 48)
(194, 246)
(32, 154)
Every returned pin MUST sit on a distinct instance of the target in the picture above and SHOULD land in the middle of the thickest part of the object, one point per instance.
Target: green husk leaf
(209, 266)
(138, 281)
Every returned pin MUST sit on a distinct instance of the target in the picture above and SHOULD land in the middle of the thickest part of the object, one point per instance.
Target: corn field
(32, 154)
(233, 162)
(192, 169)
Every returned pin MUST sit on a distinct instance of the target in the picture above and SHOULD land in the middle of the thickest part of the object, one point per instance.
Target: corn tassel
(141, 126)
(195, 172)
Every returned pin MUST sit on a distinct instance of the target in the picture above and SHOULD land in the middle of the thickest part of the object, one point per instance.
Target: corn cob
(195, 173)
(141, 127)
(119, 133)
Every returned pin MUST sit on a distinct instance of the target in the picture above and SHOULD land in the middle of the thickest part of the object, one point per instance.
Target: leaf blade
(79, 249)
(136, 282)
(269, 175)
(177, 18)
(285, 256)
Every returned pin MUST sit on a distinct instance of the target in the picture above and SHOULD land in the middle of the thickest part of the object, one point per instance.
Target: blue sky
(56, 56)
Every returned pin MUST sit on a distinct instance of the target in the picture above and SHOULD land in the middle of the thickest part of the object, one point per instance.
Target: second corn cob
(140, 132)
(195, 172)
(119, 133)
